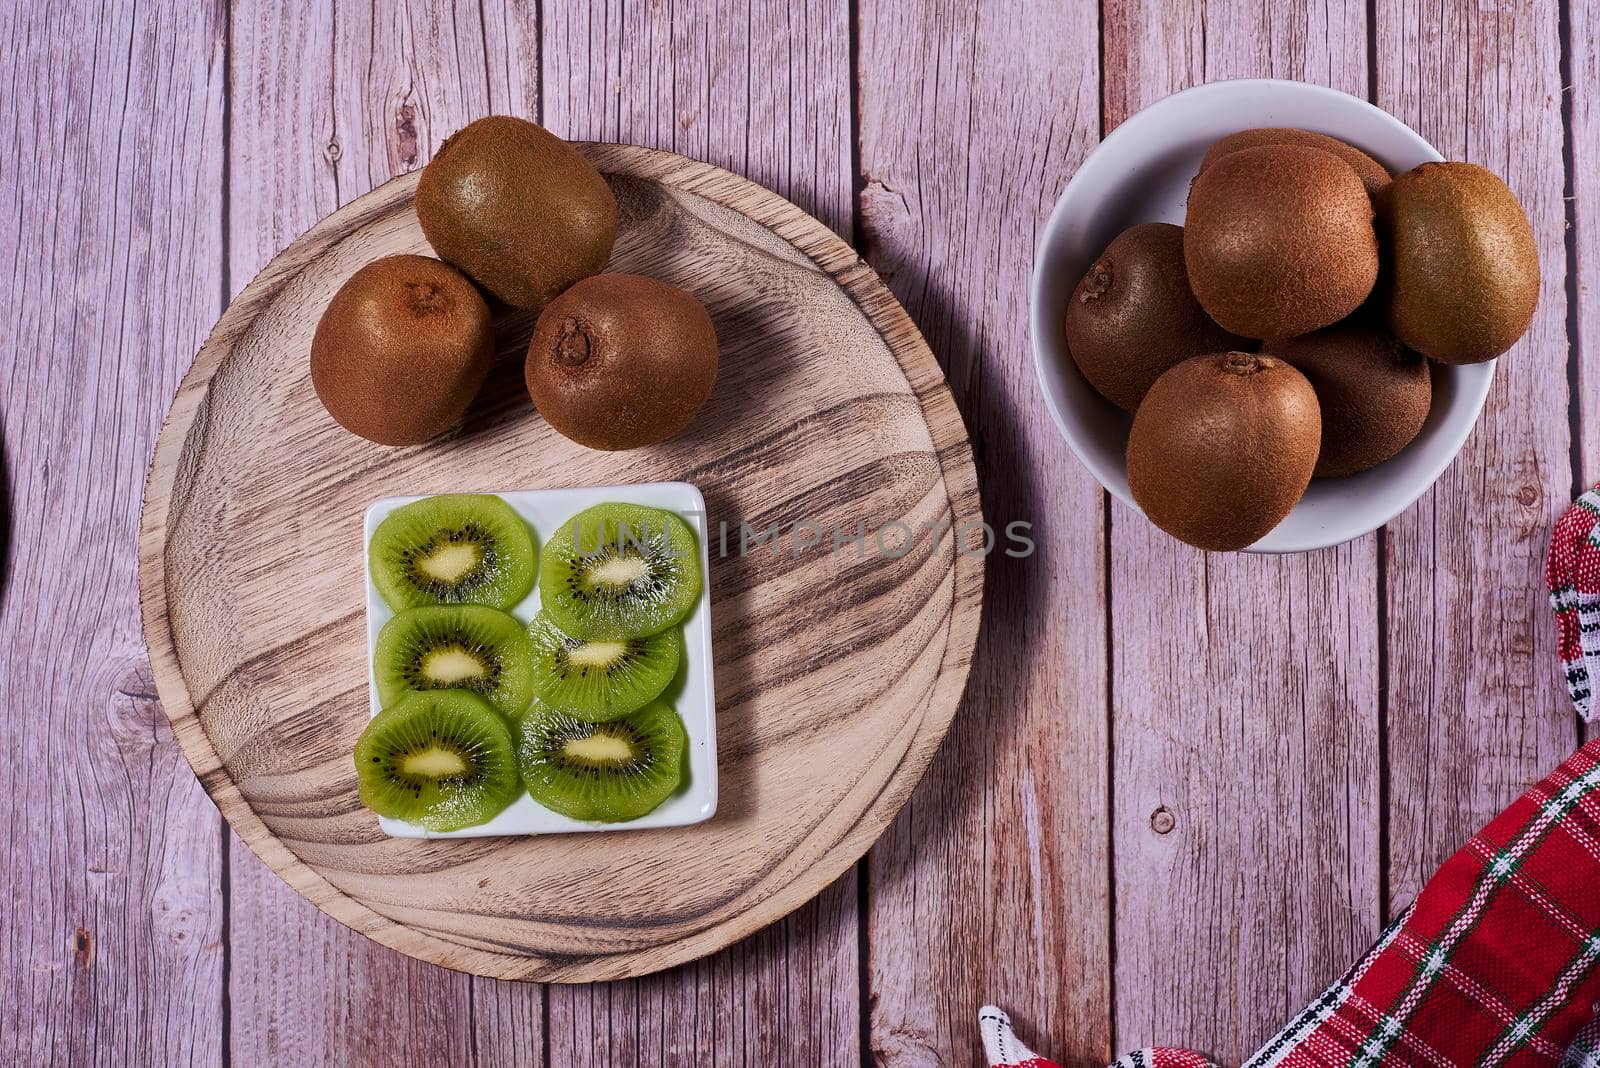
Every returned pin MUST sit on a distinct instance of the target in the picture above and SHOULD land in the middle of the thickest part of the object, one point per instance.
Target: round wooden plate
(838, 669)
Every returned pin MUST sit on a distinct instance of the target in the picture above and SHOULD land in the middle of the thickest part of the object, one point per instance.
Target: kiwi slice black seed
(600, 679)
(456, 647)
(444, 759)
(460, 548)
(620, 571)
(613, 771)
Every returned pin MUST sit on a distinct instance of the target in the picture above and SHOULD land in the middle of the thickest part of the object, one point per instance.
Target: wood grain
(330, 101)
(837, 671)
(766, 96)
(1245, 720)
(1477, 711)
(992, 884)
(1581, 91)
(112, 945)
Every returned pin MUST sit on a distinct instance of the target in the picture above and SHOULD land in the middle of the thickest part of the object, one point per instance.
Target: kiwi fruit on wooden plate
(1374, 175)
(598, 679)
(1462, 262)
(1133, 315)
(401, 350)
(444, 759)
(620, 571)
(1373, 392)
(618, 770)
(517, 208)
(1222, 447)
(620, 361)
(1279, 240)
(456, 647)
(457, 548)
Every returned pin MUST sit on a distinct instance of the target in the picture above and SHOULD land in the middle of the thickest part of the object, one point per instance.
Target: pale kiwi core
(597, 654)
(450, 563)
(434, 762)
(599, 749)
(618, 571)
(452, 664)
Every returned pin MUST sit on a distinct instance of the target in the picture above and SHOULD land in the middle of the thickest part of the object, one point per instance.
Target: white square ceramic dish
(692, 693)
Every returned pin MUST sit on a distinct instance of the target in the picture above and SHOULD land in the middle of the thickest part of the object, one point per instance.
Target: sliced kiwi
(460, 548)
(600, 679)
(620, 571)
(444, 759)
(613, 771)
(456, 647)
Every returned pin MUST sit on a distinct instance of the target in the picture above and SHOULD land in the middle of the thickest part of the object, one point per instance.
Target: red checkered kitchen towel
(1496, 961)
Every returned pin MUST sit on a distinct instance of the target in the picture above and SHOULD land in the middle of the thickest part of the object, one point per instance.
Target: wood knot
(331, 151)
(1162, 821)
(83, 947)
(405, 135)
(1528, 496)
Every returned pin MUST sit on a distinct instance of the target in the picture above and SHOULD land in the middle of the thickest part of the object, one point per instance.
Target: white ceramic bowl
(1141, 173)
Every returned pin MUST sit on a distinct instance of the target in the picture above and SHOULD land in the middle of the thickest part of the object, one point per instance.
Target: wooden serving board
(837, 672)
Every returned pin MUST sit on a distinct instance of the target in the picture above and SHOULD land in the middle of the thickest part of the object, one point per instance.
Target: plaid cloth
(1495, 963)
(1572, 571)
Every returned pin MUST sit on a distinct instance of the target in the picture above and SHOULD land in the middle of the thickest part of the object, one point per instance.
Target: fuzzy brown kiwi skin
(620, 361)
(1374, 393)
(1462, 262)
(517, 208)
(1279, 241)
(1132, 315)
(1223, 447)
(1374, 175)
(401, 350)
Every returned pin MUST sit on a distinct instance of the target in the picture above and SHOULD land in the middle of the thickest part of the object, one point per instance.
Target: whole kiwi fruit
(1374, 393)
(1223, 447)
(401, 350)
(620, 361)
(1462, 262)
(1279, 240)
(1374, 175)
(1132, 315)
(517, 208)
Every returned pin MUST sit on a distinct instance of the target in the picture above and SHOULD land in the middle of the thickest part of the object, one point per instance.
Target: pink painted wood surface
(992, 884)
(112, 945)
(1245, 724)
(1112, 837)
(1581, 81)
(1476, 711)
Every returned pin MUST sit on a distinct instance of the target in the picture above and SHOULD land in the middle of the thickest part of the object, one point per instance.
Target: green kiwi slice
(455, 647)
(443, 758)
(614, 771)
(620, 571)
(460, 548)
(600, 679)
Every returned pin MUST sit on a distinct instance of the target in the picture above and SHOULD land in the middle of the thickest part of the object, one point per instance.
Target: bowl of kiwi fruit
(540, 662)
(1266, 314)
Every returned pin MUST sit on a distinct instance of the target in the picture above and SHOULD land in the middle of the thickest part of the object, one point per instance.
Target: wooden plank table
(1183, 790)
